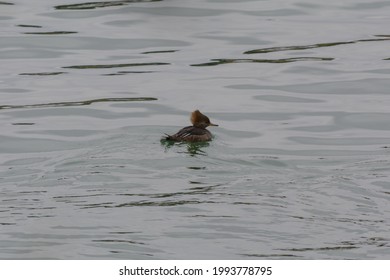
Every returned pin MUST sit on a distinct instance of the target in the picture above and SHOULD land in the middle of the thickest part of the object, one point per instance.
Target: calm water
(300, 164)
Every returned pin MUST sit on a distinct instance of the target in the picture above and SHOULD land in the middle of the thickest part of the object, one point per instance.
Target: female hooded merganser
(195, 133)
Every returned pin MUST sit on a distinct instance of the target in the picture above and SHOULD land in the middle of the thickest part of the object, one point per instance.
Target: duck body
(191, 134)
(195, 133)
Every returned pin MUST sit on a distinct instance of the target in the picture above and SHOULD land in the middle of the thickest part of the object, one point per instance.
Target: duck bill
(213, 124)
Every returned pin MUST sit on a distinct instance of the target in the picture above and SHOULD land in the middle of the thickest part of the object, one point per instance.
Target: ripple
(104, 4)
(313, 46)
(166, 51)
(29, 26)
(328, 248)
(143, 204)
(77, 103)
(215, 62)
(118, 241)
(103, 66)
(23, 123)
(120, 73)
(289, 99)
(43, 74)
(51, 33)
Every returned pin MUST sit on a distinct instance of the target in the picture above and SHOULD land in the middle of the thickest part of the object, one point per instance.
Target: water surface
(299, 166)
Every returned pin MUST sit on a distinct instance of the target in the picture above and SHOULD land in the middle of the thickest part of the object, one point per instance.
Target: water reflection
(103, 66)
(193, 149)
(167, 51)
(23, 123)
(77, 103)
(215, 62)
(314, 46)
(94, 5)
(120, 73)
(51, 33)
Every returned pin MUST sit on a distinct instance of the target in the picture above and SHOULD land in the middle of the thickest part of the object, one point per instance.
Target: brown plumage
(195, 133)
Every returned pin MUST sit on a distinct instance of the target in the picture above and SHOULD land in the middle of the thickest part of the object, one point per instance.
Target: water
(299, 167)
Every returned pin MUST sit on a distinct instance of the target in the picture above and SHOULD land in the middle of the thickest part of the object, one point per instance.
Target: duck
(197, 132)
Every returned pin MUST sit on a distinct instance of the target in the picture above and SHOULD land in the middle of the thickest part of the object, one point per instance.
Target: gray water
(299, 165)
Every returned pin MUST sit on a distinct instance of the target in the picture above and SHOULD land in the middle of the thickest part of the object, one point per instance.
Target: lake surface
(300, 164)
